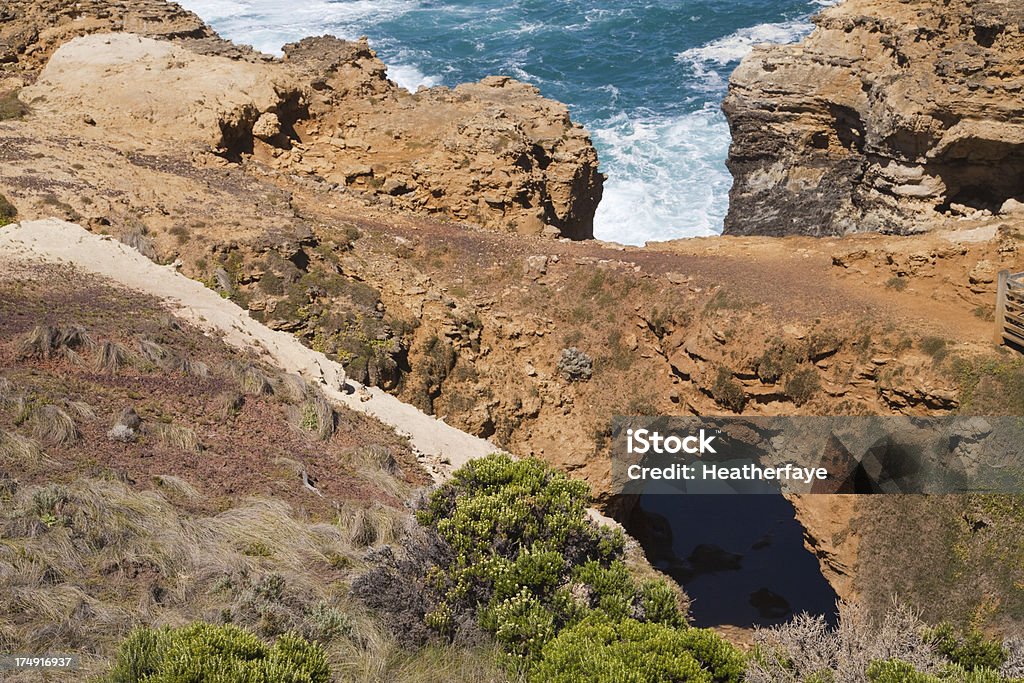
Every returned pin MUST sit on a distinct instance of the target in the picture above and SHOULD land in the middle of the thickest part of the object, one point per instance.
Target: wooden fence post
(1004, 278)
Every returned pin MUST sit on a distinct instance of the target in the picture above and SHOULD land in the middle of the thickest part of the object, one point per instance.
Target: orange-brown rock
(494, 153)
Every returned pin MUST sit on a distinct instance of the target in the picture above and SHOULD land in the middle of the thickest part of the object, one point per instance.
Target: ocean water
(646, 77)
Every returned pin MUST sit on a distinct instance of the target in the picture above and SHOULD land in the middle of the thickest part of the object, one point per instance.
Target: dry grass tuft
(176, 486)
(169, 361)
(184, 365)
(252, 380)
(7, 392)
(178, 437)
(290, 388)
(82, 409)
(51, 424)
(368, 526)
(315, 415)
(111, 356)
(16, 449)
(152, 351)
(46, 342)
(229, 404)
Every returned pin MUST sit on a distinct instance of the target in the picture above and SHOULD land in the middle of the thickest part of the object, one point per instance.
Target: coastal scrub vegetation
(7, 211)
(506, 549)
(203, 652)
(898, 647)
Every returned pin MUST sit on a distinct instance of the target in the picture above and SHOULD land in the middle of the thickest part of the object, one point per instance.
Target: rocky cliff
(893, 116)
(494, 153)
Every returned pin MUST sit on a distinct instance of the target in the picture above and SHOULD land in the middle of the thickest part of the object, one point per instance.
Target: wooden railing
(1010, 309)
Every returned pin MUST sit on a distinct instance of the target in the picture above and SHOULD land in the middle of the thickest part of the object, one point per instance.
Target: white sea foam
(666, 177)
(269, 24)
(735, 46)
(410, 77)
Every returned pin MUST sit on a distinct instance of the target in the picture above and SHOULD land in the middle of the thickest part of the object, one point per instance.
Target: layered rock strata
(891, 116)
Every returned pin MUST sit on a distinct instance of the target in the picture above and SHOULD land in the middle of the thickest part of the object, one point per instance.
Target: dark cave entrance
(983, 174)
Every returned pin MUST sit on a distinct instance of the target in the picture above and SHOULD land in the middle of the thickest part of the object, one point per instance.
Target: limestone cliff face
(890, 116)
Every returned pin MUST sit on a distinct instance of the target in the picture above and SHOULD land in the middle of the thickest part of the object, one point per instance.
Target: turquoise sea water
(646, 77)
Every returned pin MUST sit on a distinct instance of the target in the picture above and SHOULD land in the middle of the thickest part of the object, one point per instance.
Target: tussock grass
(176, 486)
(111, 356)
(375, 458)
(17, 449)
(82, 409)
(315, 415)
(47, 341)
(7, 392)
(51, 424)
(83, 546)
(377, 466)
(368, 526)
(252, 380)
(178, 437)
(185, 365)
(170, 361)
(290, 388)
(229, 404)
(152, 351)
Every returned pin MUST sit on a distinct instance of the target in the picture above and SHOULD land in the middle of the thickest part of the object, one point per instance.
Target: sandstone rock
(1011, 207)
(494, 153)
(267, 126)
(138, 87)
(889, 111)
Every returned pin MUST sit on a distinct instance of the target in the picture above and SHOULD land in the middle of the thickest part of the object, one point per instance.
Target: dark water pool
(741, 558)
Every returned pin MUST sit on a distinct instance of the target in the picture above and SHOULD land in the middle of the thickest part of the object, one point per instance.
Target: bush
(517, 554)
(575, 366)
(599, 649)
(803, 385)
(7, 211)
(227, 654)
(727, 392)
(969, 649)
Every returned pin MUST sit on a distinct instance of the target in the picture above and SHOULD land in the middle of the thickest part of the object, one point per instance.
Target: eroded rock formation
(889, 117)
(494, 153)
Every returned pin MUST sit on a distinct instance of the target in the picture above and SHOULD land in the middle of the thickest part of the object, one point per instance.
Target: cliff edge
(892, 116)
(494, 153)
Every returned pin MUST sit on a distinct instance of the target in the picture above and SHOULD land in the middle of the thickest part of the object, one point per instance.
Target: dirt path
(442, 447)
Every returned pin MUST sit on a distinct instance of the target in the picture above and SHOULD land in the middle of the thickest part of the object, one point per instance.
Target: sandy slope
(443, 448)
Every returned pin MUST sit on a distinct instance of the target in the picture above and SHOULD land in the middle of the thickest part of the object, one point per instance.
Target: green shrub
(727, 392)
(969, 649)
(803, 385)
(896, 671)
(7, 211)
(936, 347)
(776, 361)
(226, 654)
(600, 650)
(526, 562)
